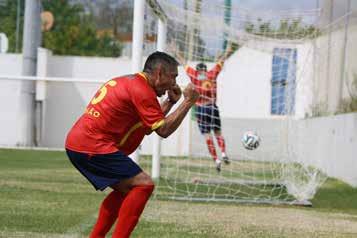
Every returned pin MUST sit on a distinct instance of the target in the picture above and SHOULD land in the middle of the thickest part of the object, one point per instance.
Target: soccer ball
(250, 140)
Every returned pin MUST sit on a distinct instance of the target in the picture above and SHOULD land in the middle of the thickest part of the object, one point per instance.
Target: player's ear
(162, 70)
(159, 70)
(157, 73)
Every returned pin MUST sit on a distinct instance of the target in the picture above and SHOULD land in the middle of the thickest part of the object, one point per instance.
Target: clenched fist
(174, 94)
(190, 93)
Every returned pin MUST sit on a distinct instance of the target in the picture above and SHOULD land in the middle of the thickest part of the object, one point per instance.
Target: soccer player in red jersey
(121, 113)
(207, 112)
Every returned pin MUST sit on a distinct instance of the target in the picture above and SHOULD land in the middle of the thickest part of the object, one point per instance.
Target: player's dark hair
(201, 66)
(157, 58)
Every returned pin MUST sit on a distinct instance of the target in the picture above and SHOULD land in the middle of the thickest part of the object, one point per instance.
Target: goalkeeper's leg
(218, 134)
(212, 151)
(204, 122)
(222, 145)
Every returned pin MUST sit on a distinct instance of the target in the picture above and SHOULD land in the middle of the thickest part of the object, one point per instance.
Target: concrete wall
(328, 143)
(10, 91)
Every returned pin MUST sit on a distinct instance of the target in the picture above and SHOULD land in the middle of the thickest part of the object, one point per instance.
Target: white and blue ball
(250, 140)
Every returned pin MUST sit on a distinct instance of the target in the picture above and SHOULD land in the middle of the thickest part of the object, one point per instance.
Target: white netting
(271, 84)
(288, 68)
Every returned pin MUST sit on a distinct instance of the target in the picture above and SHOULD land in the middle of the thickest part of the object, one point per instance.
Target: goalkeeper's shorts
(104, 170)
(208, 118)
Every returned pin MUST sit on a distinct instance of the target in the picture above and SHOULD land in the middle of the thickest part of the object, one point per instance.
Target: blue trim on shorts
(208, 118)
(104, 170)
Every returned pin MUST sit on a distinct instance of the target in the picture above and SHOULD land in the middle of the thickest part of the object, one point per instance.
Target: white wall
(329, 143)
(10, 64)
(244, 88)
(88, 67)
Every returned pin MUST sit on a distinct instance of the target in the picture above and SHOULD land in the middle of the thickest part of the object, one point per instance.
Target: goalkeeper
(114, 123)
(207, 112)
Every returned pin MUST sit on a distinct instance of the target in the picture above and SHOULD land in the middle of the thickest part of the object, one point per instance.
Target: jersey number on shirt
(103, 91)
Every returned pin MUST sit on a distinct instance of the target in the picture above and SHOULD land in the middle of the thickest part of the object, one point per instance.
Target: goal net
(273, 83)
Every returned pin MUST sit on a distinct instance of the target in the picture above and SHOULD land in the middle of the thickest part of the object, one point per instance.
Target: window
(283, 81)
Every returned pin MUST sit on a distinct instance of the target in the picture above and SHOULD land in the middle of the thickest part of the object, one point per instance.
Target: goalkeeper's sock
(221, 143)
(211, 148)
(131, 209)
(108, 213)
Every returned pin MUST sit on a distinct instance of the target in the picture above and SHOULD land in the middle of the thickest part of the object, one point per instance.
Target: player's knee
(147, 183)
(145, 180)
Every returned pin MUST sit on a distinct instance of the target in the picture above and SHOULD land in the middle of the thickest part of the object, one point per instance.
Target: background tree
(74, 32)
(8, 17)
(285, 29)
(114, 15)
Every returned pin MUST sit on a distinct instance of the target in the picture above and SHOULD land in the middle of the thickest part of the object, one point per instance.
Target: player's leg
(212, 151)
(127, 201)
(129, 181)
(218, 134)
(138, 191)
(203, 116)
(108, 214)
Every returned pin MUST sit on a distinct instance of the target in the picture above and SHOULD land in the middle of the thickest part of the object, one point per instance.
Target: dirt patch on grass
(235, 220)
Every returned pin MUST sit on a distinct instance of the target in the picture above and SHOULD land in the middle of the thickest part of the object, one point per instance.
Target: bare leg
(212, 151)
(222, 145)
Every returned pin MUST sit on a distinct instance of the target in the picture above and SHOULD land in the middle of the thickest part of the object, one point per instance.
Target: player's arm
(222, 58)
(173, 121)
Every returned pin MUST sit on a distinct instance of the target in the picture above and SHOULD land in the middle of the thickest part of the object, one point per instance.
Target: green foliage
(349, 104)
(249, 27)
(286, 29)
(319, 110)
(74, 32)
(235, 46)
(8, 16)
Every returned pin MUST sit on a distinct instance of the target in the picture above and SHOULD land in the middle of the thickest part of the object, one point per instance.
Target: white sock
(218, 161)
(224, 154)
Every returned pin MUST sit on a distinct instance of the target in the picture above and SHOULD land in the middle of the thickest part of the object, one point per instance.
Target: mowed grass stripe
(42, 193)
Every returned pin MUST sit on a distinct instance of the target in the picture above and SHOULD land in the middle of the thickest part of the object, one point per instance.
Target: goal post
(156, 150)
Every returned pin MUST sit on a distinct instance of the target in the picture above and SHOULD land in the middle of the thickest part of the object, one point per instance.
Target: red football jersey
(207, 87)
(123, 110)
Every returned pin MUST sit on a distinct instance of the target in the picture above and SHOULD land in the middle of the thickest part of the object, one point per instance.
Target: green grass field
(42, 195)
